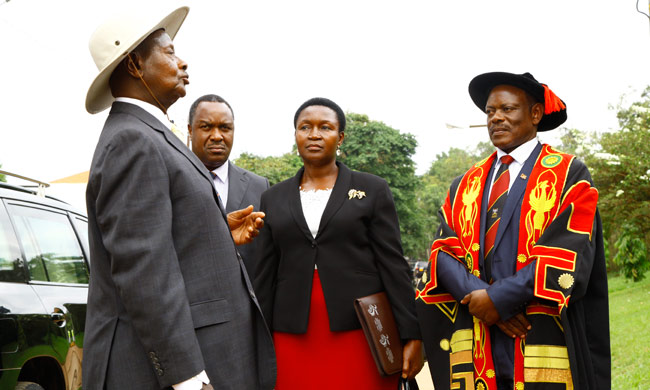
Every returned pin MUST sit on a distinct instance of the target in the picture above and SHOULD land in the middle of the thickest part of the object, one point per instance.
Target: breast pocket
(210, 312)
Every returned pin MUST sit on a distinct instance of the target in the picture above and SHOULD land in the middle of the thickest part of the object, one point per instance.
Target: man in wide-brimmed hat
(516, 293)
(169, 303)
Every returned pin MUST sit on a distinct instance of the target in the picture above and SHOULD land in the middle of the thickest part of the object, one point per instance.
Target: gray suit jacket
(168, 294)
(245, 188)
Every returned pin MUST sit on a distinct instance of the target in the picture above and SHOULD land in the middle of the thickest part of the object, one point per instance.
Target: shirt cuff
(194, 383)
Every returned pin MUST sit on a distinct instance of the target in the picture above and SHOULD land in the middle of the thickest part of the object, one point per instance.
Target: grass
(629, 321)
(629, 317)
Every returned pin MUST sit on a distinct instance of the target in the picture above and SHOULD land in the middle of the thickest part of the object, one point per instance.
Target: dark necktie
(496, 203)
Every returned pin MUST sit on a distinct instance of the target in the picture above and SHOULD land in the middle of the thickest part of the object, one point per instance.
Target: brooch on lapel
(356, 194)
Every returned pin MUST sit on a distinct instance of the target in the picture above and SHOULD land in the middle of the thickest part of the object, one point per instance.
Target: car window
(82, 230)
(11, 268)
(51, 248)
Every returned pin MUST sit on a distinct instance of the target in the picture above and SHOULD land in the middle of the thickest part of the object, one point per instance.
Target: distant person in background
(516, 293)
(331, 236)
(211, 126)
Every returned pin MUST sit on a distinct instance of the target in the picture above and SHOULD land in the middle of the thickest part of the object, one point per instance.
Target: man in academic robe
(515, 296)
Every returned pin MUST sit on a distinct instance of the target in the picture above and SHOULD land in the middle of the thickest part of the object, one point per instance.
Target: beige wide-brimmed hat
(117, 37)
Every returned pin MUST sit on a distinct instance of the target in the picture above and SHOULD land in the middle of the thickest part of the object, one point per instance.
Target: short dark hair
(211, 98)
(320, 101)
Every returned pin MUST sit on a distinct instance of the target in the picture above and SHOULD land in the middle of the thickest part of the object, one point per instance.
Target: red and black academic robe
(558, 241)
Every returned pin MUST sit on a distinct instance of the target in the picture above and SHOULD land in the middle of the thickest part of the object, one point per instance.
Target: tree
(276, 169)
(581, 144)
(433, 186)
(373, 147)
(622, 175)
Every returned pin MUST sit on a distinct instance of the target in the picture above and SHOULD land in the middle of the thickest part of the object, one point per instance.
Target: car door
(58, 273)
(24, 323)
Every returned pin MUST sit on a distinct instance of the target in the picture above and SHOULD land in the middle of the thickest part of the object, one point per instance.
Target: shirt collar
(222, 172)
(522, 152)
(148, 107)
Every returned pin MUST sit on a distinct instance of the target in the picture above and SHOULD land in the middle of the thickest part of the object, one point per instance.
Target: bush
(632, 253)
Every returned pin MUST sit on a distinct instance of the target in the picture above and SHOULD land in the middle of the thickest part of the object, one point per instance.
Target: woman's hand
(245, 224)
(413, 359)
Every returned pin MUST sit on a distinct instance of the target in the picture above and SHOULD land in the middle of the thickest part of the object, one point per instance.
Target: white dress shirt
(313, 206)
(157, 113)
(520, 155)
(196, 382)
(148, 107)
(221, 182)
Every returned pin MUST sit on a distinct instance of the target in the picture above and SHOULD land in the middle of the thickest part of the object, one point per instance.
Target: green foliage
(483, 149)
(433, 185)
(632, 254)
(276, 169)
(578, 143)
(376, 148)
(621, 172)
(2, 177)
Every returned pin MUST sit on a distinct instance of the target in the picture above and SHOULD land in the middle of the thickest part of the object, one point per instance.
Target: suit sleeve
(134, 214)
(266, 269)
(455, 279)
(393, 268)
(510, 295)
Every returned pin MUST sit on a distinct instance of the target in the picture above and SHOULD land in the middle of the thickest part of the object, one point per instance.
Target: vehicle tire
(28, 386)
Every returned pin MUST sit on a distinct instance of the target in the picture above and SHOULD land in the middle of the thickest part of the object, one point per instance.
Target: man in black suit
(211, 126)
(169, 303)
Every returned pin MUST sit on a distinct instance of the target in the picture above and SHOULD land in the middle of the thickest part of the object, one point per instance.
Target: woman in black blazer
(331, 235)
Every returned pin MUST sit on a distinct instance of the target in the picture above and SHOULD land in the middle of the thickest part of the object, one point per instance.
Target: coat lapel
(484, 205)
(171, 139)
(237, 184)
(516, 193)
(185, 151)
(295, 205)
(338, 196)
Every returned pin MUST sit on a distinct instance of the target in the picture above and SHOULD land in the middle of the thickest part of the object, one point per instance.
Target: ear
(189, 129)
(341, 137)
(134, 65)
(536, 113)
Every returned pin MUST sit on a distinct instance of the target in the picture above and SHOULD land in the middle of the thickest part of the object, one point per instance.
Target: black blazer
(357, 250)
(245, 188)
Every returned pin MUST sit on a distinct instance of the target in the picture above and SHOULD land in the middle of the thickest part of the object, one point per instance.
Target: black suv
(43, 290)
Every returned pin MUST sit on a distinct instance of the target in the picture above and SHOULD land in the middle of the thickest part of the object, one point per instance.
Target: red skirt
(322, 359)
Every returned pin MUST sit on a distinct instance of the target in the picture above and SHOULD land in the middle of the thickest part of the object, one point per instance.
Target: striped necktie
(214, 176)
(496, 203)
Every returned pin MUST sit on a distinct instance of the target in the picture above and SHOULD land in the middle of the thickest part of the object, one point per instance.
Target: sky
(405, 63)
